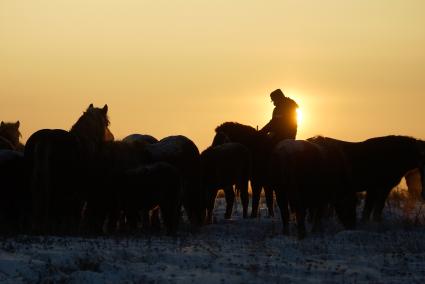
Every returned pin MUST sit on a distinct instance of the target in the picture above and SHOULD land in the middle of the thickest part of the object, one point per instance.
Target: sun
(299, 116)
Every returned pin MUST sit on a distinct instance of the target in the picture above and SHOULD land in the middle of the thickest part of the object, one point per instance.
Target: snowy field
(230, 251)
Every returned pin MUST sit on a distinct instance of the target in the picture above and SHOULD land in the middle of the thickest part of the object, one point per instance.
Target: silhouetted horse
(141, 140)
(180, 152)
(310, 176)
(378, 165)
(60, 170)
(260, 146)
(15, 196)
(108, 170)
(222, 167)
(158, 185)
(9, 136)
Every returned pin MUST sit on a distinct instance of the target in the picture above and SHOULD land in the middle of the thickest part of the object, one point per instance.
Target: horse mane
(91, 126)
(10, 134)
(237, 132)
(235, 128)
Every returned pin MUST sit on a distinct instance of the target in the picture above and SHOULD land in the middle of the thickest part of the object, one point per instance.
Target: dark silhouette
(180, 152)
(378, 164)
(260, 146)
(222, 167)
(283, 124)
(15, 196)
(60, 169)
(113, 159)
(9, 136)
(310, 176)
(158, 185)
(140, 138)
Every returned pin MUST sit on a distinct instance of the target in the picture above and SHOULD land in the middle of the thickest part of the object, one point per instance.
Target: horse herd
(84, 181)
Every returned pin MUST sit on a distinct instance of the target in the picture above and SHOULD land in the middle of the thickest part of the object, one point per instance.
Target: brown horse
(59, 166)
(9, 136)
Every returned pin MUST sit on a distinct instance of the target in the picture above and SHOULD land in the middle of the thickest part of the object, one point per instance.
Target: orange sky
(182, 67)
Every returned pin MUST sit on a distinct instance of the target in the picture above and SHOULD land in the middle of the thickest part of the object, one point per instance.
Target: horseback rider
(283, 124)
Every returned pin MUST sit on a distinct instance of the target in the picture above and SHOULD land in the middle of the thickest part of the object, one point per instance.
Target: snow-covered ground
(230, 251)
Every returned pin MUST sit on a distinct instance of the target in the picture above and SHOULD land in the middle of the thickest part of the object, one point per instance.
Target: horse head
(93, 125)
(220, 138)
(10, 131)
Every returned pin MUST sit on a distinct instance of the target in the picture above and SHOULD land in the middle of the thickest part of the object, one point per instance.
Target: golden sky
(356, 68)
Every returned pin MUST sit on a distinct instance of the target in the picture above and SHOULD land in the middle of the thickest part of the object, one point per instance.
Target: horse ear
(17, 124)
(90, 106)
(105, 108)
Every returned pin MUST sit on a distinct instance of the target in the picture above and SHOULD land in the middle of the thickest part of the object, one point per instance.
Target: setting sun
(299, 116)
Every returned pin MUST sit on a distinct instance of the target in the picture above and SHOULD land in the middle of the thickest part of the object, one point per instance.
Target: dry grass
(407, 206)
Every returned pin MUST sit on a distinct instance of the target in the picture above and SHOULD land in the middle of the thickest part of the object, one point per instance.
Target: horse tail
(39, 186)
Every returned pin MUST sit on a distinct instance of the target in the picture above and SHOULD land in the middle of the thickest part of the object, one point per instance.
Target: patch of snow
(229, 251)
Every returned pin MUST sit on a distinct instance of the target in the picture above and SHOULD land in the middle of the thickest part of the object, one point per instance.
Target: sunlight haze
(355, 68)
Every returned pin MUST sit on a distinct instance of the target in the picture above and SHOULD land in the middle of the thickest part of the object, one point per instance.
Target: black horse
(180, 152)
(15, 197)
(378, 164)
(260, 147)
(308, 176)
(222, 167)
(149, 187)
(59, 166)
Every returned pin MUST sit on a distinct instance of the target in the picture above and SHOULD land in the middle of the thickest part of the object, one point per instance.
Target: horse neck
(6, 144)
(6, 135)
(90, 139)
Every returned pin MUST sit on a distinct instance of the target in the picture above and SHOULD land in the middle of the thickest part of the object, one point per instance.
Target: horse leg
(144, 214)
(369, 204)
(210, 205)
(300, 213)
(317, 218)
(269, 200)
(230, 199)
(282, 202)
(155, 222)
(256, 191)
(170, 216)
(379, 204)
(346, 211)
(132, 217)
(243, 189)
